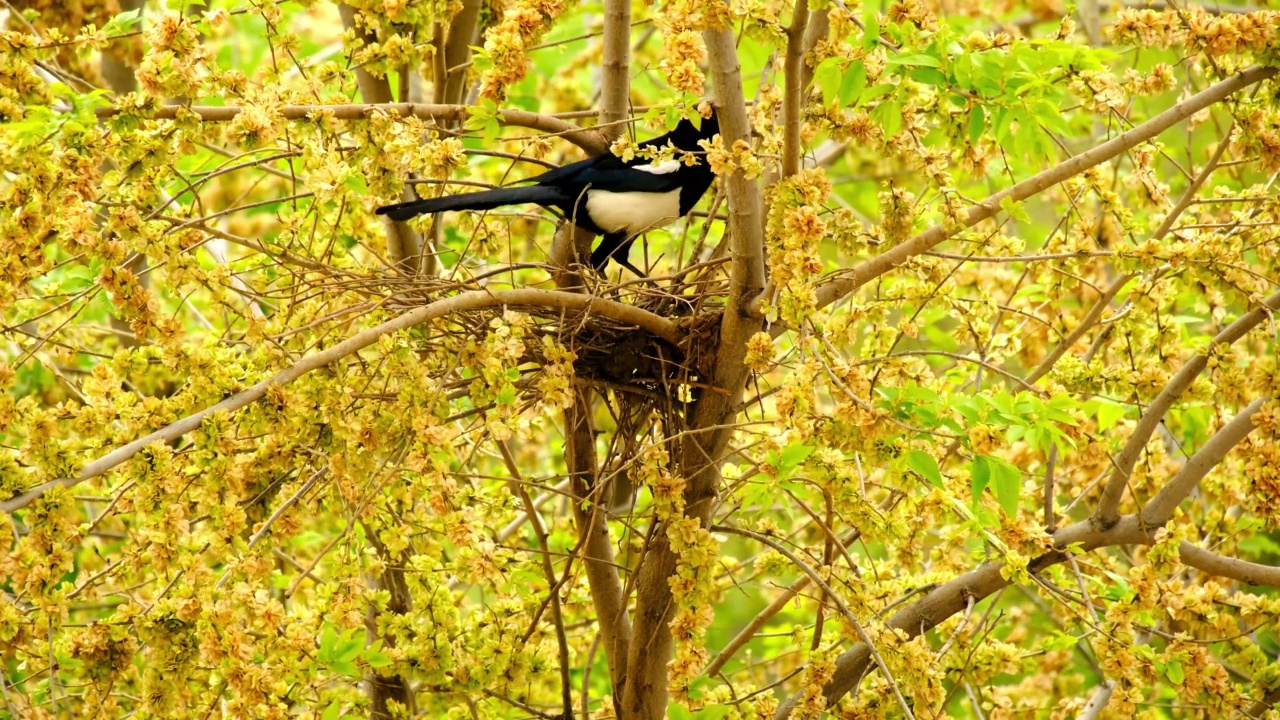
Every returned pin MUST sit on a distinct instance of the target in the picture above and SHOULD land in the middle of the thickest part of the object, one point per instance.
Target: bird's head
(686, 136)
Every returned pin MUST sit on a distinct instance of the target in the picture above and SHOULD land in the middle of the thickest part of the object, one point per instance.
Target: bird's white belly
(632, 212)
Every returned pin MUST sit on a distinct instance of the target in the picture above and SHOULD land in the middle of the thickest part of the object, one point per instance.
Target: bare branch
(793, 92)
(589, 139)
(817, 29)
(1098, 701)
(553, 584)
(1212, 563)
(463, 33)
(1090, 319)
(1158, 511)
(833, 290)
(472, 300)
(746, 207)
(840, 603)
(1259, 709)
(615, 70)
(749, 631)
(607, 593)
(1109, 502)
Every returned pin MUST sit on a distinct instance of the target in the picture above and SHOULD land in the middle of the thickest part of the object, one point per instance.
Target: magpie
(605, 194)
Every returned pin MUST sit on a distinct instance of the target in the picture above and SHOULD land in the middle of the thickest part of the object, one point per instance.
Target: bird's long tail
(484, 200)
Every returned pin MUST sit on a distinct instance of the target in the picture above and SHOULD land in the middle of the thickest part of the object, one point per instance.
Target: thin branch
(607, 593)
(553, 584)
(1259, 709)
(1160, 508)
(793, 89)
(1050, 516)
(284, 507)
(462, 302)
(1085, 536)
(749, 631)
(589, 139)
(833, 290)
(840, 603)
(1090, 319)
(1109, 502)
(1095, 313)
(1098, 701)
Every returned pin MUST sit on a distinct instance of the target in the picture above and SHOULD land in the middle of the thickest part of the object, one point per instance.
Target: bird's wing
(611, 173)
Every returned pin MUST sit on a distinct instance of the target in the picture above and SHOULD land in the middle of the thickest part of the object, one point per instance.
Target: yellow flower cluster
(795, 230)
(727, 161)
(555, 384)
(682, 23)
(507, 44)
(759, 352)
(1262, 465)
(915, 12)
(1261, 134)
(1198, 30)
(175, 58)
(1157, 80)
(1100, 91)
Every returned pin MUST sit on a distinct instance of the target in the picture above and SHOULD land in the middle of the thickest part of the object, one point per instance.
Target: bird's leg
(626, 264)
(608, 248)
(621, 257)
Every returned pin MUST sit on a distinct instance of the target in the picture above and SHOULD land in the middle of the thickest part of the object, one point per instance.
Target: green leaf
(676, 711)
(977, 123)
(979, 477)
(1174, 672)
(1006, 480)
(889, 116)
(328, 638)
(122, 23)
(1016, 210)
(791, 457)
(350, 647)
(1109, 413)
(928, 76)
(876, 91)
(333, 712)
(672, 116)
(1059, 641)
(827, 77)
(870, 25)
(852, 85)
(712, 712)
(924, 465)
(376, 658)
(917, 59)
(507, 395)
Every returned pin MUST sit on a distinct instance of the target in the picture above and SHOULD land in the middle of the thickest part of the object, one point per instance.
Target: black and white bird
(606, 195)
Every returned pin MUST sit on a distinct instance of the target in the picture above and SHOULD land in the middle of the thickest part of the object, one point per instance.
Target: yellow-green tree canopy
(956, 397)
